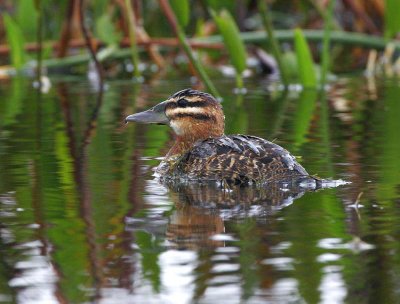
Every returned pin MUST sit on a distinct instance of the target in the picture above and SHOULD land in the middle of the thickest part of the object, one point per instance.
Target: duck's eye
(182, 103)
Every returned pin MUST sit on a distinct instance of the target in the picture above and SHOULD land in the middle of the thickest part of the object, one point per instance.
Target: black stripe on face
(197, 116)
(191, 104)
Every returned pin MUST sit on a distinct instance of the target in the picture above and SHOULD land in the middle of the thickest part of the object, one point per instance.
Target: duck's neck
(185, 143)
(182, 144)
(188, 132)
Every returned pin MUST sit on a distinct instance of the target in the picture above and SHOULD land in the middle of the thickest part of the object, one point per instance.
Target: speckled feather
(237, 159)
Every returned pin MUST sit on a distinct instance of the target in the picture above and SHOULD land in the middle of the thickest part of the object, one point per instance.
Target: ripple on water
(354, 245)
(280, 263)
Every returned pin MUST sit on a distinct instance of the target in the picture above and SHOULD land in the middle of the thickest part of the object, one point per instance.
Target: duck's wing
(240, 158)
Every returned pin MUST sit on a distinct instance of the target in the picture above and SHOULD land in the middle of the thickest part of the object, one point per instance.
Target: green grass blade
(232, 39)
(392, 18)
(105, 30)
(304, 60)
(25, 16)
(181, 10)
(218, 5)
(15, 40)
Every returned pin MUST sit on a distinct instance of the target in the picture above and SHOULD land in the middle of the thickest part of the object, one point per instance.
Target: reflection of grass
(313, 217)
(303, 115)
(249, 255)
(150, 250)
(390, 145)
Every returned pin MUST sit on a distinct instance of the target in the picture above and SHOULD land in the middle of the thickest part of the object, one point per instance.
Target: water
(82, 219)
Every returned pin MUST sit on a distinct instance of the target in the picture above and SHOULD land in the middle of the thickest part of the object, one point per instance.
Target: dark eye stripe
(191, 104)
(192, 115)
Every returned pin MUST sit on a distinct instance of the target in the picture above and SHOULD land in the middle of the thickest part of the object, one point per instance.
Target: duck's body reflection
(200, 210)
(190, 228)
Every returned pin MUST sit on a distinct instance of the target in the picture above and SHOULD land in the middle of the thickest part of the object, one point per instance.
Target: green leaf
(304, 60)
(26, 17)
(392, 18)
(37, 4)
(232, 39)
(181, 9)
(218, 5)
(15, 40)
(106, 31)
(150, 251)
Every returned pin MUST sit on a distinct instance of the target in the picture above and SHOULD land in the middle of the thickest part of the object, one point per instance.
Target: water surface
(82, 219)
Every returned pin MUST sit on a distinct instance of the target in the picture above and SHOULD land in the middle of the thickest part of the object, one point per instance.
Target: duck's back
(239, 159)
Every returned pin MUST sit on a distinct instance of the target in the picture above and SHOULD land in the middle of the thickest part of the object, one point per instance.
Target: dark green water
(82, 220)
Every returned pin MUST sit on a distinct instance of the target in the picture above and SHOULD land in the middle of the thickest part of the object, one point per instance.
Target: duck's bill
(155, 115)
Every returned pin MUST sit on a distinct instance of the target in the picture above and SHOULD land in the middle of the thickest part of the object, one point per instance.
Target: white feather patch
(188, 110)
(176, 126)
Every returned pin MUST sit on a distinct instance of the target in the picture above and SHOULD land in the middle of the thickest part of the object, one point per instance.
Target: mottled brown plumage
(238, 159)
(203, 153)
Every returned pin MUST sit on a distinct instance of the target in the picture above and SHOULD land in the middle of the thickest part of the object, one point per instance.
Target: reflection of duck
(238, 200)
(191, 227)
(197, 218)
(202, 208)
(203, 152)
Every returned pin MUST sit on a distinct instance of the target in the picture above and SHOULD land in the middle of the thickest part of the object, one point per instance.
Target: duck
(202, 152)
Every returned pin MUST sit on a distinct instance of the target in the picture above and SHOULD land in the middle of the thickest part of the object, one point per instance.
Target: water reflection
(82, 219)
(199, 210)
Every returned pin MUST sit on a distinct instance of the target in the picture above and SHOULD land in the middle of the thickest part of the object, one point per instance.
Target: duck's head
(192, 114)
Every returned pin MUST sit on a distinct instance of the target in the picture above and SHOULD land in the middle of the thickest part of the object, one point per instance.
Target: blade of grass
(15, 40)
(233, 42)
(105, 30)
(392, 18)
(231, 36)
(181, 10)
(304, 60)
(26, 18)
